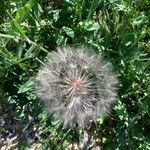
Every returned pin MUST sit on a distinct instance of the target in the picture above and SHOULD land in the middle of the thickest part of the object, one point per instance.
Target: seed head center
(76, 84)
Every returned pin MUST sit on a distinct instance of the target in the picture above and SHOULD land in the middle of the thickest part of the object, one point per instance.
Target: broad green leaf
(89, 25)
(69, 31)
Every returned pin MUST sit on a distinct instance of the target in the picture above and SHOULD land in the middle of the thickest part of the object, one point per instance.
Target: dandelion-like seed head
(76, 85)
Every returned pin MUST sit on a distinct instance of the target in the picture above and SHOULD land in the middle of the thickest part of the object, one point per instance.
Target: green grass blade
(93, 7)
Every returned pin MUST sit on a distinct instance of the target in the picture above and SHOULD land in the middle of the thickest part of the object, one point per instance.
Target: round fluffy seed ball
(76, 85)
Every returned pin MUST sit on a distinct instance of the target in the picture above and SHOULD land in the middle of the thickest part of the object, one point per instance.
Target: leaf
(29, 52)
(68, 31)
(37, 9)
(89, 25)
(94, 5)
(23, 12)
(140, 19)
(26, 86)
(16, 27)
(7, 36)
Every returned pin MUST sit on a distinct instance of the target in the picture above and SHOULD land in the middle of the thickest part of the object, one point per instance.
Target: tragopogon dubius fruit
(76, 85)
